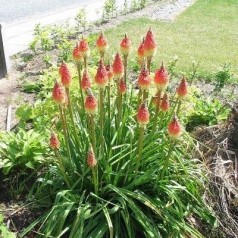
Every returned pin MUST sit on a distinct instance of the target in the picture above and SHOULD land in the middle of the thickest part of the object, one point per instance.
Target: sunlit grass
(206, 32)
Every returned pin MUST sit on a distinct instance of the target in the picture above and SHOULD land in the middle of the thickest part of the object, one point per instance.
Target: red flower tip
(101, 77)
(83, 48)
(90, 104)
(182, 89)
(110, 73)
(65, 75)
(101, 43)
(141, 52)
(59, 94)
(165, 103)
(54, 141)
(118, 67)
(122, 86)
(174, 128)
(91, 160)
(77, 55)
(144, 80)
(125, 45)
(150, 44)
(143, 115)
(85, 83)
(161, 78)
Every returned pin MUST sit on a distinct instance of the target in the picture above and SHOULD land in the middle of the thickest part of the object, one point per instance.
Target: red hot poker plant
(125, 46)
(161, 78)
(141, 53)
(102, 44)
(65, 74)
(118, 67)
(58, 94)
(182, 89)
(174, 128)
(86, 82)
(54, 141)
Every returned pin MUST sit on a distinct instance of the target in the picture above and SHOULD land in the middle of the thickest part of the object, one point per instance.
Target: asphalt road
(12, 11)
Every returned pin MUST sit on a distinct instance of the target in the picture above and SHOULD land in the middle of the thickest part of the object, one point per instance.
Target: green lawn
(207, 32)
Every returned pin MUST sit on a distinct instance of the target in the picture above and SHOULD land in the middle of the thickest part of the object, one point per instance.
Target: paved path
(18, 35)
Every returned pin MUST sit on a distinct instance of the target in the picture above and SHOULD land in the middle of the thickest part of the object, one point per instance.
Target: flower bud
(101, 44)
(144, 80)
(182, 89)
(90, 104)
(77, 55)
(66, 78)
(91, 160)
(101, 77)
(85, 82)
(174, 128)
(110, 73)
(150, 44)
(59, 94)
(84, 48)
(161, 78)
(118, 67)
(143, 115)
(165, 103)
(122, 86)
(54, 141)
(125, 46)
(141, 52)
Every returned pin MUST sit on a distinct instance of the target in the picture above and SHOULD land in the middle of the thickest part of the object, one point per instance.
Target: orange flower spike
(182, 89)
(84, 48)
(85, 82)
(65, 74)
(150, 44)
(91, 160)
(125, 46)
(174, 128)
(77, 55)
(54, 141)
(165, 103)
(144, 80)
(141, 52)
(101, 77)
(59, 94)
(102, 44)
(161, 78)
(143, 115)
(110, 73)
(90, 104)
(122, 86)
(118, 67)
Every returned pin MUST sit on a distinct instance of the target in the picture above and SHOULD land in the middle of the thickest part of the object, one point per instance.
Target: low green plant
(22, 151)
(109, 9)
(206, 111)
(4, 231)
(81, 21)
(121, 171)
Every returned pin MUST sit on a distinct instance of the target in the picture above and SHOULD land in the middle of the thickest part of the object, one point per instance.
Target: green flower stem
(125, 68)
(109, 108)
(80, 88)
(95, 178)
(85, 60)
(101, 119)
(166, 164)
(174, 109)
(179, 107)
(149, 59)
(92, 132)
(139, 100)
(62, 168)
(157, 108)
(72, 116)
(145, 95)
(63, 121)
(140, 147)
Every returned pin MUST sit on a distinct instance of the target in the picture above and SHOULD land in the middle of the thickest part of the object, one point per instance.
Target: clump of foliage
(123, 165)
(4, 231)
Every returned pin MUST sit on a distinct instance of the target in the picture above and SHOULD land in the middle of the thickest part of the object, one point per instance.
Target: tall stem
(92, 132)
(139, 100)
(72, 116)
(101, 119)
(62, 168)
(166, 164)
(109, 108)
(63, 120)
(95, 178)
(149, 58)
(140, 147)
(80, 88)
(157, 107)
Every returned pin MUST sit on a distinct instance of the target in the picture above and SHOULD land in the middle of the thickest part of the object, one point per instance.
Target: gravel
(170, 10)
